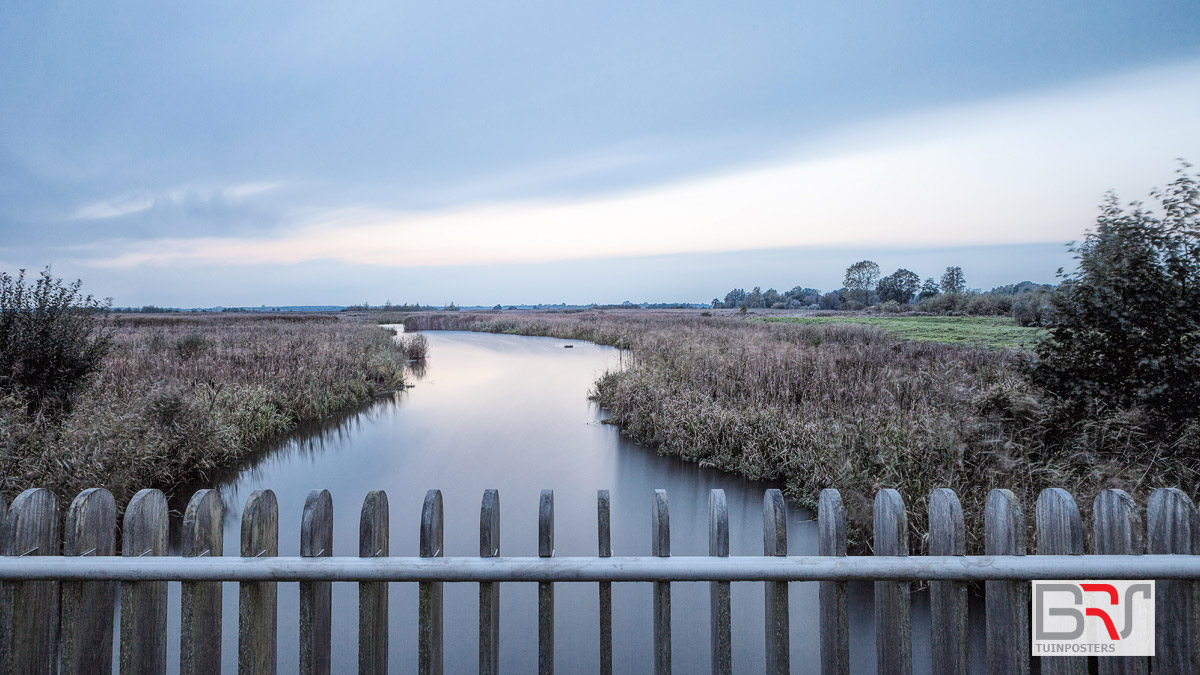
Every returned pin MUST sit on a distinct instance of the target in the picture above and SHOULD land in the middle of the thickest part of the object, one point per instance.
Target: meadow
(180, 396)
(992, 332)
(816, 404)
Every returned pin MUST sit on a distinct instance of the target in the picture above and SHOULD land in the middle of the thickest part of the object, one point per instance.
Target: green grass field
(993, 332)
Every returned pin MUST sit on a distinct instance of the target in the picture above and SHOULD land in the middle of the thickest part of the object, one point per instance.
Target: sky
(281, 153)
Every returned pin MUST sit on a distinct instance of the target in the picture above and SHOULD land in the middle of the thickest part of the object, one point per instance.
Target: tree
(1126, 333)
(52, 340)
(735, 298)
(899, 286)
(953, 281)
(929, 289)
(755, 299)
(860, 279)
(771, 298)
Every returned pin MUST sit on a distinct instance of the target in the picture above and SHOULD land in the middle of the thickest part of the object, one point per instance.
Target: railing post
(604, 541)
(660, 544)
(316, 541)
(144, 603)
(893, 623)
(1059, 532)
(1117, 530)
(87, 609)
(373, 596)
(429, 594)
(489, 592)
(1171, 526)
(947, 599)
(720, 634)
(33, 530)
(834, 608)
(545, 589)
(777, 620)
(1007, 603)
(257, 608)
(200, 626)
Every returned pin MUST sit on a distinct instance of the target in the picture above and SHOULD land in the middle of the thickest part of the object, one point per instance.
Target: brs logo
(1105, 618)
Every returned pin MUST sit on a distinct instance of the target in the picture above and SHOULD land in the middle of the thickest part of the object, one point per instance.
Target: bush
(52, 340)
(1127, 331)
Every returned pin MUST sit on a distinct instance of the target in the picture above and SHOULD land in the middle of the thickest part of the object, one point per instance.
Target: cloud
(1021, 169)
(142, 201)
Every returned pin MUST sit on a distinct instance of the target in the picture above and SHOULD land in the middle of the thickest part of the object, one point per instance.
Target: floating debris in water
(568, 346)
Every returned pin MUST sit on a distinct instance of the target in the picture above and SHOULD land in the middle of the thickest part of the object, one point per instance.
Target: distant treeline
(903, 291)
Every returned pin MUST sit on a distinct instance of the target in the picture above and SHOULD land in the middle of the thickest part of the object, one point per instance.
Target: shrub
(1127, 330)
(52, 339)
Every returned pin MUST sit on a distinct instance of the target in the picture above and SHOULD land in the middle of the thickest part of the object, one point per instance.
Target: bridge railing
(57, 604)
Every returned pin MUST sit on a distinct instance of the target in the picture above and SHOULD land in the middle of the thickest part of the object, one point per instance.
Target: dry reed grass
(841, 405)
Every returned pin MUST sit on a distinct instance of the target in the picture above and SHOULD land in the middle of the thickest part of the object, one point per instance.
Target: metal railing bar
(588, 569)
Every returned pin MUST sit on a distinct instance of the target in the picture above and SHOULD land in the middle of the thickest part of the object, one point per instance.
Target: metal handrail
(585, 569)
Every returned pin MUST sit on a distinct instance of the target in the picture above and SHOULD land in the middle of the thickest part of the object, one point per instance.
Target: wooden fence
(72, 576)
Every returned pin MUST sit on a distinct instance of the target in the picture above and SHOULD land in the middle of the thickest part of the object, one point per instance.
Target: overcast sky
(196, 154)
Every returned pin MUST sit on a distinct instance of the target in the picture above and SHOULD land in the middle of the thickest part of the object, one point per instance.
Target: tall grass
(180, 397)
(843, 405)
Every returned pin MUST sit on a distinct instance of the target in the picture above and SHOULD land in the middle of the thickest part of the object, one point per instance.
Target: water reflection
(507, 412)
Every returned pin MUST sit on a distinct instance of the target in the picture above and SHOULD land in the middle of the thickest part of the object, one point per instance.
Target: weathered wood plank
(1117, 530)
(893, 623)
(144, 603)
(660, 546)
(947, 599)
(1007, 604)
(200, 628)
(720, 633)
(429, 603)
(489, 592)
(316, 602)
(604, 542)
(834, 608)
(6, 591)
(776, 592)
(1059, 532)
(33, 529)
(373, 596)
(258, 611)
(1171, 524)
(87, 607)
(546, 590)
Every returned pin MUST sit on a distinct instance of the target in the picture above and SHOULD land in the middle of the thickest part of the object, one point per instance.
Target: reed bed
(180, 397)
(814, 405)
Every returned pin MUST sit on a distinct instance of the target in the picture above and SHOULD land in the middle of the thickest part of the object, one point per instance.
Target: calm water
(507, 412)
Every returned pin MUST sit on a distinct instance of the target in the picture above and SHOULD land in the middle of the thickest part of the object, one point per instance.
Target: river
(512, 413)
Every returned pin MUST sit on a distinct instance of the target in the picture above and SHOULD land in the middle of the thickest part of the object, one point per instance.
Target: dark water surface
(508, 412)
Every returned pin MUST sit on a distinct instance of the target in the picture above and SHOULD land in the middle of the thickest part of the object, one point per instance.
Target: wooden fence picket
(1171, 525)
(489, 591)
(429, 593)
(604, 546)
(1117, 530)
(660, 547)
(546, 589)
(1006, 612)
(316, 601)
(834, 606)
(87, 606)
(200, 627)
(893, 622)
(947, 599)
(32, 529)
(775, 543)
(1059, 532)
(373, 595)
(144, 603)
(258, 612)
(720, 631)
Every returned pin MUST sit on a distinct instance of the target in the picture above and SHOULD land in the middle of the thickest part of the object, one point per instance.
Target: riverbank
(179, 397)
(817, 405)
